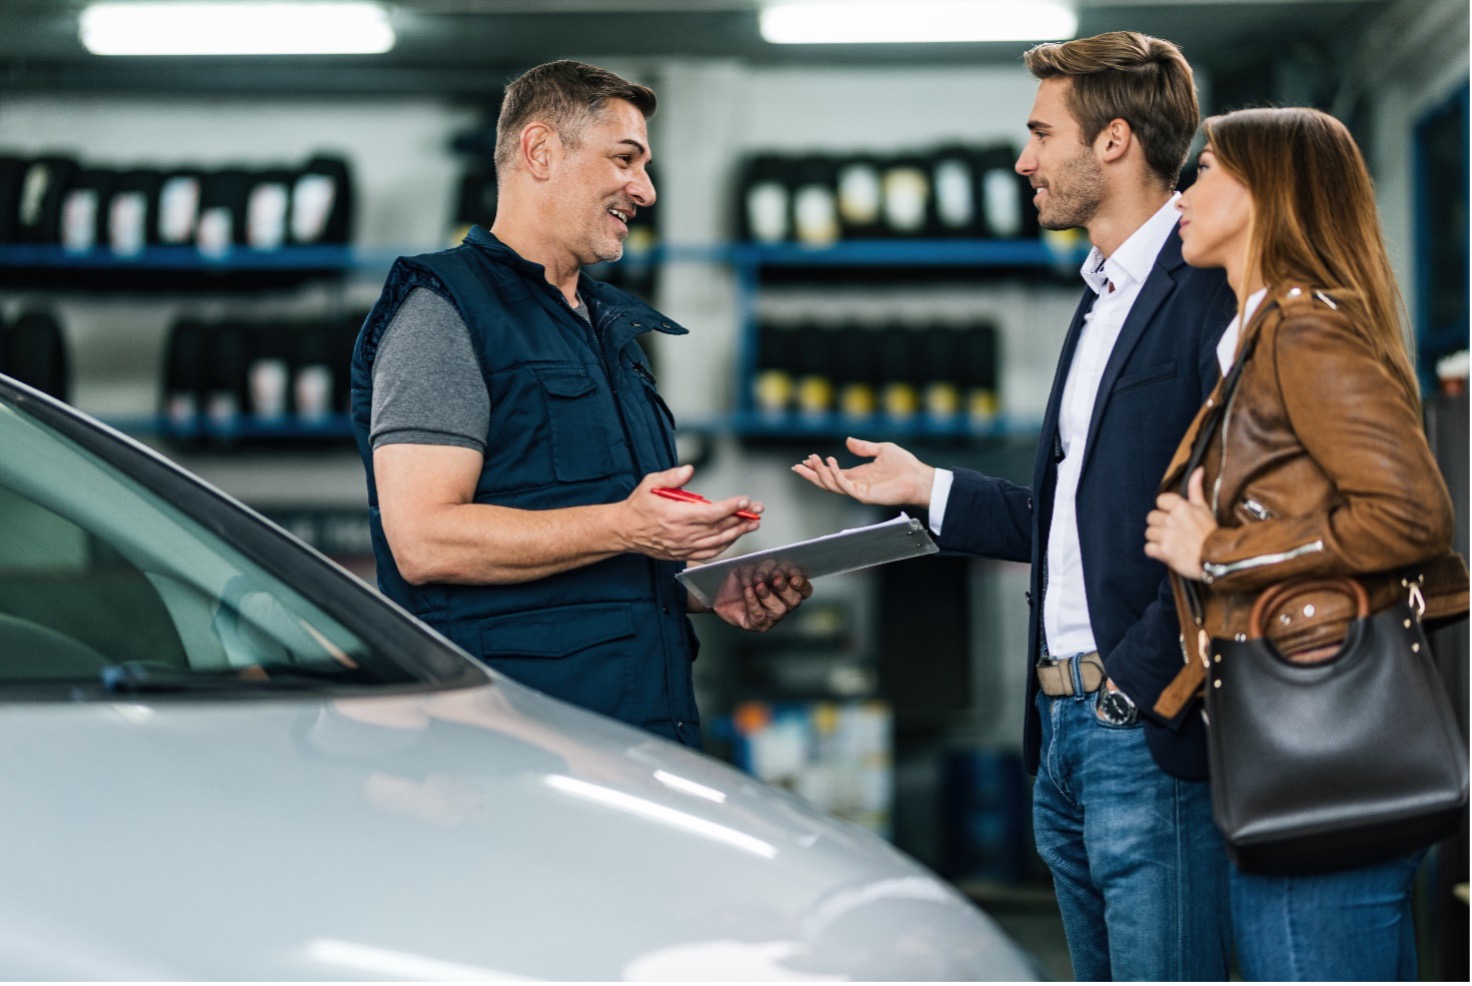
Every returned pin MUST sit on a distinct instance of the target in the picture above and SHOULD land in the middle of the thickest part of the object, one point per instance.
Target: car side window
(108, 587)
(58, 577)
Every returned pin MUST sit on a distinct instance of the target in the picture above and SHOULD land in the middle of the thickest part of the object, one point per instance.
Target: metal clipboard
(832, 554)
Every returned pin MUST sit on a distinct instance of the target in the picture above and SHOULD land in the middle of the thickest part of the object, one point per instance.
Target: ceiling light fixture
(236, 28)
(874, 22)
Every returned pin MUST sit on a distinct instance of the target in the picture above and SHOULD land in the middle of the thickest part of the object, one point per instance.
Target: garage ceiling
(471, 47)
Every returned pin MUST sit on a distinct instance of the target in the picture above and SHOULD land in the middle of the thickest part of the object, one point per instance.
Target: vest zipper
(618, 405)
(595, 341)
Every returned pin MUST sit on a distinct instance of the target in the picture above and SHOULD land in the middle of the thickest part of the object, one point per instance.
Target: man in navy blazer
(1121, 810)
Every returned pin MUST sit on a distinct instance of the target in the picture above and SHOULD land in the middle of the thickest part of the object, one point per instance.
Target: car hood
(478, 833)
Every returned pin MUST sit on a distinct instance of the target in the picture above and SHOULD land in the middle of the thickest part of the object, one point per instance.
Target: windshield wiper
(137, 678)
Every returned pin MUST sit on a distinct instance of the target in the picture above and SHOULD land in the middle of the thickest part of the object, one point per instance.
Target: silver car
(225, 758)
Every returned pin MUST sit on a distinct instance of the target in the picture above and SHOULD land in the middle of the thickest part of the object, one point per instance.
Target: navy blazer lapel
(1048, 435)
(1157, 287)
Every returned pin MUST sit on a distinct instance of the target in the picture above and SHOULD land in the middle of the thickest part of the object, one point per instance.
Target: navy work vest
(575, 420)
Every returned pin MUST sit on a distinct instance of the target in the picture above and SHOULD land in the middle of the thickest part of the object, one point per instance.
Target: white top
(1117, 281)
(1226, 350)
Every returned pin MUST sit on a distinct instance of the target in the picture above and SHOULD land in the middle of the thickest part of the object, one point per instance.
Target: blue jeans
(1351, 925)
(1138, 864)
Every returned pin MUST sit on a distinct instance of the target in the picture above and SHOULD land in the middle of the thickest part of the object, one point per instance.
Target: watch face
(1115, 708)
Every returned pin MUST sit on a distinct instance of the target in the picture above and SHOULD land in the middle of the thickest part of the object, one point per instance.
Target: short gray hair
(565, 95)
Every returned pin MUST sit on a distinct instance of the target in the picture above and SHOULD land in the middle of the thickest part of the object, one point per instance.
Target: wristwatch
(1116, 708)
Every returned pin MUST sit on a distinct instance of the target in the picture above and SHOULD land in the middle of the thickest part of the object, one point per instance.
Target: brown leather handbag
(1341, 763)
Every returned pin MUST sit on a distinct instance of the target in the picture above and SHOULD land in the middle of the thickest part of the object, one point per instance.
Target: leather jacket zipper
(1255, 509)
(1211, 571)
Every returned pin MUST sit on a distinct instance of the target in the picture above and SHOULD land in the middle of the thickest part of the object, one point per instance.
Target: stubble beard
(598, 248)
(608, 255)
(604, 249)
(1075, 194)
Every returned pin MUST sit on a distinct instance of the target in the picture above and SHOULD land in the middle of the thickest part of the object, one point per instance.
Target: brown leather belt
(1055, 677)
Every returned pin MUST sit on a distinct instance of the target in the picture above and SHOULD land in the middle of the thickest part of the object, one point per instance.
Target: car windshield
(109, 585)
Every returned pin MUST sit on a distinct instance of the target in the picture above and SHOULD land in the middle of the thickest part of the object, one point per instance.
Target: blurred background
(188, 244)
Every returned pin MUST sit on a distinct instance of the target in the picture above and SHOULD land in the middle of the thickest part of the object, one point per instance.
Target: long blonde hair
(1314, 218)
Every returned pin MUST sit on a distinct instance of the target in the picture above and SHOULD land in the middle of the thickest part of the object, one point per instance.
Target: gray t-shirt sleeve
(427, 382)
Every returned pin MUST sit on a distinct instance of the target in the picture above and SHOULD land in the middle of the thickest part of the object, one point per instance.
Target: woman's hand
(1177, 529)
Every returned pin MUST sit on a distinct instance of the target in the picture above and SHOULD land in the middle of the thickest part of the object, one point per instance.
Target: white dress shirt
(1226, 350)
(1116, 280)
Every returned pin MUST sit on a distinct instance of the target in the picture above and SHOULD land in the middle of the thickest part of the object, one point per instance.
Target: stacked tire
(33, 350)
(58, 200)
(233, 379)
(949, 192)
(940, 375)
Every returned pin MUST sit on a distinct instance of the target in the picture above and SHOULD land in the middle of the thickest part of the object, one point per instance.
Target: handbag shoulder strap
(1204, 437)
(1212, 421)
(1188, 680)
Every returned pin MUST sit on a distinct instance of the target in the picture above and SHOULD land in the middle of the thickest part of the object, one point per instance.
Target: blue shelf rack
(750, 259)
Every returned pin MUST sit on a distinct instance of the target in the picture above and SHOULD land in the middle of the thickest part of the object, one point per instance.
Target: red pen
(675, 493)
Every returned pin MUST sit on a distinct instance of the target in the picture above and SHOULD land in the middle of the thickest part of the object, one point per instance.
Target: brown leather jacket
(1319, 466)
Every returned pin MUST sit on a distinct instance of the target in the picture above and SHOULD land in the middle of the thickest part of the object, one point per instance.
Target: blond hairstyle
(1314, 222)
(1132, 77)
(566, 95)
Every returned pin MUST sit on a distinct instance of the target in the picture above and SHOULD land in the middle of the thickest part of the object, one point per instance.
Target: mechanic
(512, 435)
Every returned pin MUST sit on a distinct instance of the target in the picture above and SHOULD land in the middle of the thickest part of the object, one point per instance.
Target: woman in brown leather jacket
(1319, 467)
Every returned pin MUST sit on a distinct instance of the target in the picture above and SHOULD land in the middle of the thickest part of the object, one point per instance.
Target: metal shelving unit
(750, 260)
(50, 268)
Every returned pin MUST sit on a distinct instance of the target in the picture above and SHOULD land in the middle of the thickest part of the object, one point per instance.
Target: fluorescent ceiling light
(236, 28)
(872, 21)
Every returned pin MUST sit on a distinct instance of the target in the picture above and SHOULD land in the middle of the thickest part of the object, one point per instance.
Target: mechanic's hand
(677, 530)
(894, 478)
(763, 600)
(1177, 529)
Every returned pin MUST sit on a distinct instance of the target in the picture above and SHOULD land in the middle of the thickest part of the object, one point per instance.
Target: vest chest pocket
(578, 419)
